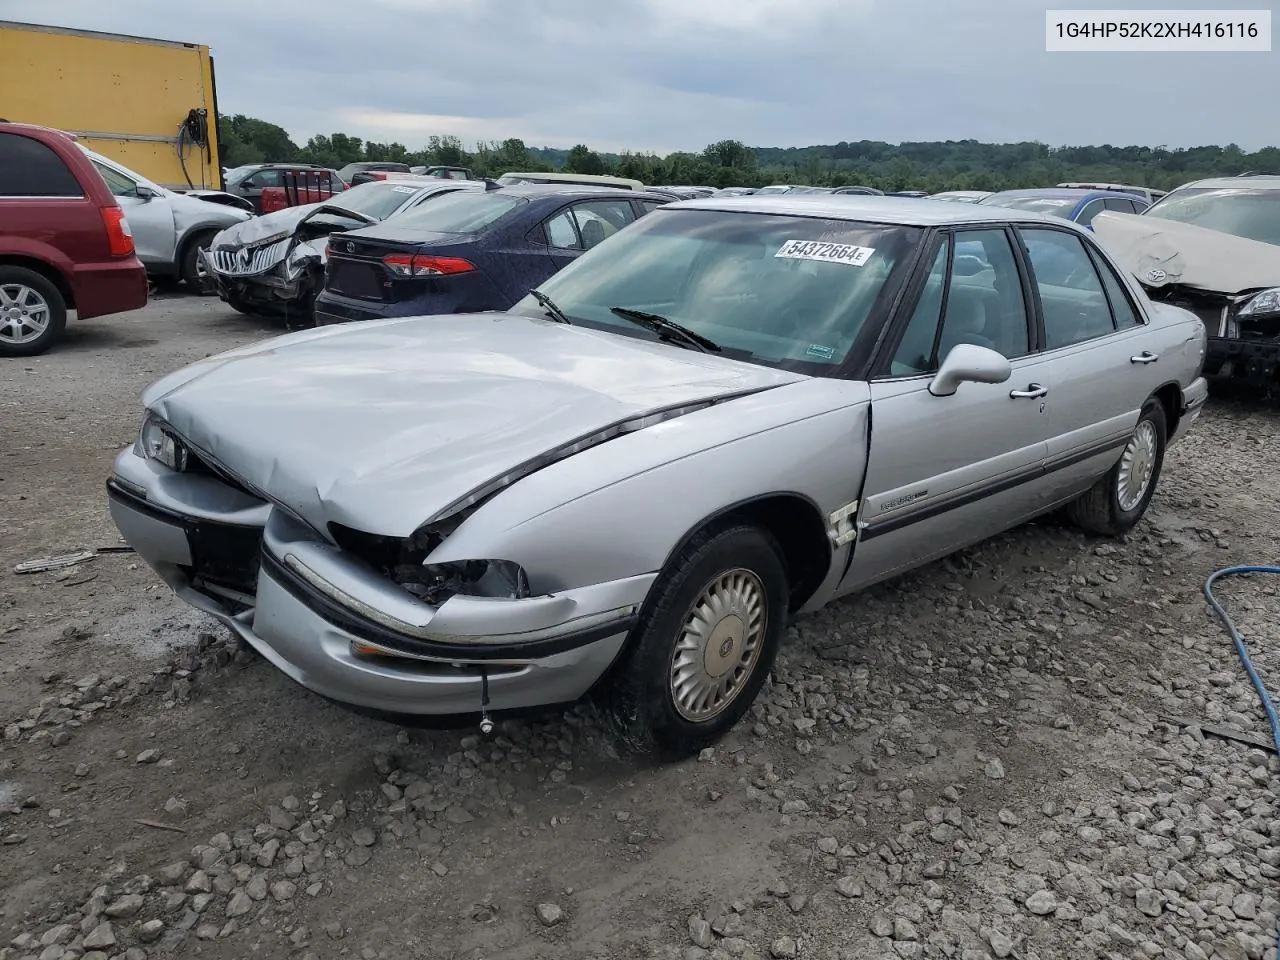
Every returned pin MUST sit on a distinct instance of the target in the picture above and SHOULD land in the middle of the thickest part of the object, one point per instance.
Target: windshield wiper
(549, 305)
(668, 329)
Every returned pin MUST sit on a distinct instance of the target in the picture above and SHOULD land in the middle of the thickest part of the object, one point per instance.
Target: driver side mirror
(144, 193)
(967, 362)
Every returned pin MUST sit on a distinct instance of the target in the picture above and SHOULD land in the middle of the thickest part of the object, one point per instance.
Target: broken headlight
(156, 442)
(1264, 304)
(437, 582)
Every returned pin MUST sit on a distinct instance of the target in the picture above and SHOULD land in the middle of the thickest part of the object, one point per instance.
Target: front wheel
(705, 642)
(192, 268)
(1113, 505)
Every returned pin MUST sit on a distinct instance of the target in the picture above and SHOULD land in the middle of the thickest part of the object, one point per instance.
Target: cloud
(663, 75)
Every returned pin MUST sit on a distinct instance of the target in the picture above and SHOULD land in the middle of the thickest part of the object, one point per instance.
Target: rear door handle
(1146, 356)
(1033, 390)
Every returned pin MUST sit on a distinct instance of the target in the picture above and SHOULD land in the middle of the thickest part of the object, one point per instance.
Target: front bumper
(299, 602)
(1253, 363)
(278, 288)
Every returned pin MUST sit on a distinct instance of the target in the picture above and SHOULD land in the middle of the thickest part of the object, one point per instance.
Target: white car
(169, 228)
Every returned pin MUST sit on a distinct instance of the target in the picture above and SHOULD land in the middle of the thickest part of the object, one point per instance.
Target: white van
(583, 179)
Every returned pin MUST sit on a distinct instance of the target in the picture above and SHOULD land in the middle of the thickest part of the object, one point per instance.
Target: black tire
(639, 693)
(189, 265)
(1100, 510)
(40, 295)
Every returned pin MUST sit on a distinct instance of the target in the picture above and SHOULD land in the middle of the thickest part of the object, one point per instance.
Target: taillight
(119, 236)
(419, 265)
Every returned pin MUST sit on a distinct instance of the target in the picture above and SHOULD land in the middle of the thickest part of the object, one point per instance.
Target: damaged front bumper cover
(1254, 363)
(292, 280)
(338, 628)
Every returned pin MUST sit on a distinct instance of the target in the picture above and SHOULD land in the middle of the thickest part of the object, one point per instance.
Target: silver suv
(169, 228)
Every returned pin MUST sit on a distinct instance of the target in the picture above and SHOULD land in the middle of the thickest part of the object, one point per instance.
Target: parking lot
(1013, 753)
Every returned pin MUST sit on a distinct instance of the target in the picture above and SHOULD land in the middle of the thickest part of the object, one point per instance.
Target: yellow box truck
(148, 104)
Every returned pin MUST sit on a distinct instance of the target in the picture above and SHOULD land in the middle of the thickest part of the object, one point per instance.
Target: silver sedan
(736, 411)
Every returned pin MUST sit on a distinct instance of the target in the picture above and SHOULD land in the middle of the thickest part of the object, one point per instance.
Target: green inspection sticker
(818, 350)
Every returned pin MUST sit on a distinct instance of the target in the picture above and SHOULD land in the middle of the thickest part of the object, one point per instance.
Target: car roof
(1256, 181)
(1062, 193)
(905, 211)
(575, 190)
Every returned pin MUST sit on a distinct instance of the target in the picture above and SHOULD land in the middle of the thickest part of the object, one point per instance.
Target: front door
(945, 472)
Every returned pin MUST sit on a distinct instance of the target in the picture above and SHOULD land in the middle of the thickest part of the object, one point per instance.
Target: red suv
(64, 241)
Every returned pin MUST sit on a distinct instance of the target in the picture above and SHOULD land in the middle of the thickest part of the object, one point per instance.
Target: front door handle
(1033, 391)
(1146, 356)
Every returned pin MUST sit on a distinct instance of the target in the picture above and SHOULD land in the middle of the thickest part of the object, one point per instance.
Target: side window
(265, 178)
(598, 219)
(915, 352)
(28, 168)
(984, 304)
(117, 183)
(1091, 210)
(561, 231)
(1122, 308)
(648, 206)
(1071, 296)
(1118, 204)
(1139, 206)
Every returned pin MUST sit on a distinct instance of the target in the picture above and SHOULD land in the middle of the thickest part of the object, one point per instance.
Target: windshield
(774, 189)
(236, 174)
(1054, 206)
(462, 211)
(1242, 212)
(781, 291)
(376, 200)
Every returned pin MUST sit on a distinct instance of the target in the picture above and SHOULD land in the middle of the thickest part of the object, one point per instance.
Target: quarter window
(1122, 308)
(1091, 210)
(29, 168)
(1071, 295)
(561, 232)
(117, 183)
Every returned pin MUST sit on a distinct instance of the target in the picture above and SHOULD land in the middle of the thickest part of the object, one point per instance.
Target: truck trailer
(148, 104)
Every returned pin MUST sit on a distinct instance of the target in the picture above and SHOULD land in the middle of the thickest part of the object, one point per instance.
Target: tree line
(931, 166)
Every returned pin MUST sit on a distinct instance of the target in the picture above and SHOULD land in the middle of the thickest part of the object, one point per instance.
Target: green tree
(582, 159)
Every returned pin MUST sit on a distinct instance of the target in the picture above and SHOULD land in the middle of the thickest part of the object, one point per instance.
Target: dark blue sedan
(1075, 204)
(476, 251)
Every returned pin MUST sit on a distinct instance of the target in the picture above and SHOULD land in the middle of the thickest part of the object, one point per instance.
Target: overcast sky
(663, 75)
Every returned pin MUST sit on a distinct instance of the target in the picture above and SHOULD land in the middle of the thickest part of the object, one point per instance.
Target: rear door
(1094, 339)
(944, 472)
(582, 225)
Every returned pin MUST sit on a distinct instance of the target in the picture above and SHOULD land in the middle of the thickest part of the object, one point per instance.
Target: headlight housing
(1264, 304)
(156, 442)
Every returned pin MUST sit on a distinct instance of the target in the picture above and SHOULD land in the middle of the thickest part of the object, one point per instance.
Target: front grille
(1210, 308)
(247, 261)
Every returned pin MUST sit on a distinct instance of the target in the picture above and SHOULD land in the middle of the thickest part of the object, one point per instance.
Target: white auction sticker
(404, 189)
(825, 252)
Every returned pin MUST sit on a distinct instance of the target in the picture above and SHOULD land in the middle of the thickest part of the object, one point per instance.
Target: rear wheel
(1114, 504)
(32, 312)
(705, 642)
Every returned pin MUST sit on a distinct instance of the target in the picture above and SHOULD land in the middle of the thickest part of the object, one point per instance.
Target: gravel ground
(1015, 752)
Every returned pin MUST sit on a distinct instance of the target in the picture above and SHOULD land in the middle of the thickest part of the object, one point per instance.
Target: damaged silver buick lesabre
(732, 412)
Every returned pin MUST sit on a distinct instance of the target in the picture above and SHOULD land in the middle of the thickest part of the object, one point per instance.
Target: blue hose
(1264, 697)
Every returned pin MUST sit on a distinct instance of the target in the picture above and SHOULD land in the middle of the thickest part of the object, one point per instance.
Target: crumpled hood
(1160, 252)
(382, 424)
(267, 225)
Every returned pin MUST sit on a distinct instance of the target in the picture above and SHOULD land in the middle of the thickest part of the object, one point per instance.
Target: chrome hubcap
(24, 313)
(1137, 466)
(719, 645)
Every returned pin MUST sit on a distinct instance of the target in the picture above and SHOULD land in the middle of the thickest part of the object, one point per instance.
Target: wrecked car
(274, 264)
(733, 411)
(1213, 247)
